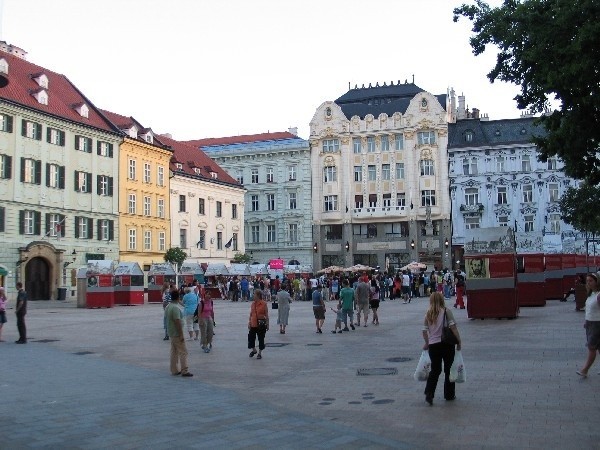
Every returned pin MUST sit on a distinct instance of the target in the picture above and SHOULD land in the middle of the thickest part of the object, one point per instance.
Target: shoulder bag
(448, 337)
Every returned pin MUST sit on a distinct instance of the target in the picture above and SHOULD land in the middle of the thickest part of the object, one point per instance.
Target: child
(338, 318)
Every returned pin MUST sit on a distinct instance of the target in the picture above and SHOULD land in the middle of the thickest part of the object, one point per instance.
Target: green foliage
(578, 208)
(175, 256)
(551, 49)
(242, 258)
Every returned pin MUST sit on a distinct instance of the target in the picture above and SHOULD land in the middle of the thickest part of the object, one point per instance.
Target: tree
(242, 258)
(175, 256)
(577, 208)
(551, 49)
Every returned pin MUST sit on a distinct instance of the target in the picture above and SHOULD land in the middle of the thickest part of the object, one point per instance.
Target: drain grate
(377, 371)
(45, 341)
(399, 359)
(313, 345)
(84, 353)
(276, 344)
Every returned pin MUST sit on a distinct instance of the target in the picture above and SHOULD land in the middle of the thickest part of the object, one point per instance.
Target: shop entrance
(37, 279)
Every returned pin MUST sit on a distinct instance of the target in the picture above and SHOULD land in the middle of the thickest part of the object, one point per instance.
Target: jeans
(348, 313)
(437, 353)
(446, 291)
(21, 327)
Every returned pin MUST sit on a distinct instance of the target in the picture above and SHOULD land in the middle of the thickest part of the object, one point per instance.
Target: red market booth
(100, 289)
(214, 271)
(129, 284)
(554, 276)
(530, 279)
(159, 274)
(569, 265)
(191, 271)
(491, 273)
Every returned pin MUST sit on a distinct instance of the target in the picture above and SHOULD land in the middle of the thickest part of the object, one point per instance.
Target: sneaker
(203, 347)
(166, 338)
(365, 325)
(259, 356)
(347, 329)
(333, 331)
(175, 374)
(207, 350)
(404, 302)
(352, 326)
(187, 374)
(339, 331)
(319, 331)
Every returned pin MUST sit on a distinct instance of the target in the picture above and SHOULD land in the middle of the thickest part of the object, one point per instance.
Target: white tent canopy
(239, 269)
(216, 269)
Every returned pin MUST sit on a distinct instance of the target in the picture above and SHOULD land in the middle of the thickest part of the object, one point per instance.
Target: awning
(3, 271)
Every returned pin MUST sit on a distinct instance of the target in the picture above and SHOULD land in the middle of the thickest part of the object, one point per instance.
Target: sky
(199, 68)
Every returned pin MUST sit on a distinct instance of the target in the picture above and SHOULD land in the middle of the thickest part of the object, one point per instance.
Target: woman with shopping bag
(440, 348)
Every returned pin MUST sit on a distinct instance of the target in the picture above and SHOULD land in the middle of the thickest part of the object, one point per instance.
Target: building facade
(497, 180)
(275, 170)
(380, 178)
(55, 150)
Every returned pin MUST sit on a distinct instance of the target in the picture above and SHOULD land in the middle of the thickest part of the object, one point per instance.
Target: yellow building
(144, 222)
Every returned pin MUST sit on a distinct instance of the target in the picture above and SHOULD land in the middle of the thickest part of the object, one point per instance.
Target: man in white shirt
(406, 287)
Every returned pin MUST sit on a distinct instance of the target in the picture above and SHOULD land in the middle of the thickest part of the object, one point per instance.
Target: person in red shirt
(258, 324)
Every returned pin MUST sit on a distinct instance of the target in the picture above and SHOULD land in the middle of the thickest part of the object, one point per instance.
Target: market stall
(159, 274)
(100, 289)
(129, 284)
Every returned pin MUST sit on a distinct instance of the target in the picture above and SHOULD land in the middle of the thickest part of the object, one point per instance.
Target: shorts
(406, 289)
(190, 325)
(592, 333)
(319, 312)
(362, 307)
(2, 317)
(374, 304)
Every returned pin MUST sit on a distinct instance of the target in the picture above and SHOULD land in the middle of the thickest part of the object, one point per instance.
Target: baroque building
(380, 177)
(496, 180)
(275, 170)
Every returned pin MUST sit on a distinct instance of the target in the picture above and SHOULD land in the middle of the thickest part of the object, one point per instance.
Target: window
(293, 232)
(234, 242)
(31, 171)
(160, 176)
(426, 167)
(371, 230)
(529, 223)
(131, 172)
(219, 209)
(468, 136)
(357, 173)
(105, 230)
(333, 232)
(503, 221)
(104, 149)
(5, 167)
(146, 172)
(292, 200)
(55, 176)
(399, 171)
(401, 199)
(182, 238)
(470, 166)
(131, 203)
(31, 130)
(471, 223)
(219, 240)
(500, 164)
(160, 208)
(393, 229)
(271, 236)
(471, 196)
(104, 185)
(201, 206)
(83, 227)
(385, 171)
(55, 225)
(385, 144)
(255, 234)
(371, 173)
(132, 239)
(387, 200)
(527, 193)
(234, 211)
(399, 142)
(554, 220)
(359, 230)
(502, 195)
(270, 175)
(162, 241)
(254, 202)
(6, 123)
(271, 202)
(55, 137)
(83, 144)
(331, 145)
(370, 144)
(240, 176)
(147, 240)
(330, 203)
(426, 137)
(552, 164)
(146, 206)
(182, 203)
(83, 182)
(29, 222)
(428, 198)
(254, 175)
(373, 201)
(292, 171)
(553, 192)
(329, 174)
(356, 145)
(525, 163)
(201, 244)
(358, 201)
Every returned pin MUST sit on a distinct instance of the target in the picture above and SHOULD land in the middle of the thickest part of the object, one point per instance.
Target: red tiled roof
(186, 154)
(62, 94)
(243, 139)
(121, 122)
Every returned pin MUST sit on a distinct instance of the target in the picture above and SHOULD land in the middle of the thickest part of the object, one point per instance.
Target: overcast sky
(199, 68)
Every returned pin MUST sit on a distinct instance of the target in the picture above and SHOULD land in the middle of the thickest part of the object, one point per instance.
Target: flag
(229, 243)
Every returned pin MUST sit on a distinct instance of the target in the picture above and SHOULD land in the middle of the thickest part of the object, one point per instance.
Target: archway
(37, 279)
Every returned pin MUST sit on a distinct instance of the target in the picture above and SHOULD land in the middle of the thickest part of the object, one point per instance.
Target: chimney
(475, 114)
(293, 130)
(461, 113)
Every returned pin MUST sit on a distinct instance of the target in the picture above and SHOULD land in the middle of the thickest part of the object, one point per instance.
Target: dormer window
(468, 136)
(42, 81)
(3, 66)
(132, 132)
(83, 110)
(41, 96)
(149, 138)
(197, 170)
(213, 175)
(179, 166)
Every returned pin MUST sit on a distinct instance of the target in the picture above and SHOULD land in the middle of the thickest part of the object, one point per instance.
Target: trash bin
(62, 293)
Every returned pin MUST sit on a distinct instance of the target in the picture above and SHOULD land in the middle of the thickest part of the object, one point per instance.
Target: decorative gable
(132, 132)
(41, 80)
(148, 137)
(83, 110)
(41, 96)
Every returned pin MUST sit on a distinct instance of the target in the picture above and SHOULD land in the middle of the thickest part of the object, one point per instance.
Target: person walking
(592, 321)
(374, 302)
(21, 311)
(318, 308)
(439, 351)
(190, 304)
(166, 299)
(348, 304)
(258, 324)
(206, 317)
(460, 291)
(406, 287)
(3, 301)
(283, 302)
(362, 295)
(174, 315)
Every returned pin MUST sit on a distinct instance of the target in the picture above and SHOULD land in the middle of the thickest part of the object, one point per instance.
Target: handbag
(448, 337)
(274, 305)
(262, 324)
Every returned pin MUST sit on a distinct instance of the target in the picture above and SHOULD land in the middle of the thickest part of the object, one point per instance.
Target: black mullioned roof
(493, 132)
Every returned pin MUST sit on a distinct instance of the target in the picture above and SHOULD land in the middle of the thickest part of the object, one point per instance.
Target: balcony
(378, 212)
(477, 208)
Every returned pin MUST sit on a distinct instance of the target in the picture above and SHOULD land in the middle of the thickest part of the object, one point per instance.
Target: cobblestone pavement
(99, 379)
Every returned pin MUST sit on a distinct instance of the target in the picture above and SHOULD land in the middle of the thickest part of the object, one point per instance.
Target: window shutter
(98, 145)
(38, 172)
(89, 145)
(90, 229)
(37, 223)
(99, 229)
(76, 226)
(22, 170)
(111, 230)
(63, 224)
(2, 219)
(48, 174)
(76, 142)
(48, 133)
(88, 179)
(110, 150)
(61, 177)
(47, 224)
(23, 127)
(76, 181)
(62, 138)
(110, 186)
(9, 124)
(98, 178)
(21, 222)
(38, 131)
(7, 167)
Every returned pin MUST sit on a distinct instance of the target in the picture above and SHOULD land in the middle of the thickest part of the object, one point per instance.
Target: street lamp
(412, 244)
(347, 246)
(446, 243)
(316, 248)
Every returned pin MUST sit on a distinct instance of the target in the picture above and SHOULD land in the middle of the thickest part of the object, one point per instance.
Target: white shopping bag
(423, 367)
(458, 374)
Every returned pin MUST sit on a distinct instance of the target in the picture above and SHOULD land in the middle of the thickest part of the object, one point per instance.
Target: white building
(380, 177)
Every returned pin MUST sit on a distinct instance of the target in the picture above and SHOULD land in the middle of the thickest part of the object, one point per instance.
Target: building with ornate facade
(496, 180)
(275, 170)
(380, 177)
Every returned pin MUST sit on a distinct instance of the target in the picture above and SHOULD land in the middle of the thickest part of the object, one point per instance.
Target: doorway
(37, 279)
